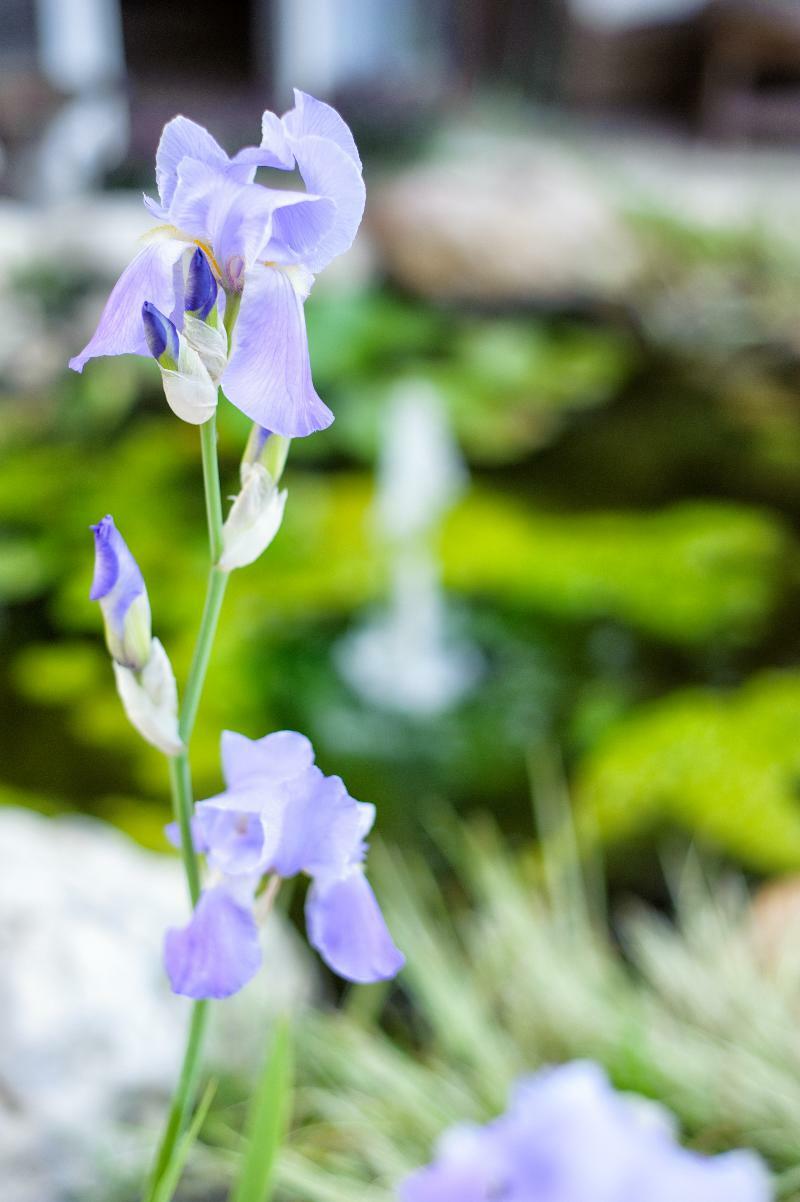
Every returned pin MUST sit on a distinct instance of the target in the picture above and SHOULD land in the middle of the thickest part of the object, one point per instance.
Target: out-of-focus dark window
(200, 40)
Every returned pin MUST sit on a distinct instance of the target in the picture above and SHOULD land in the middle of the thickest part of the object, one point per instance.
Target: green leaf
(172, 1174)
(267, 1120)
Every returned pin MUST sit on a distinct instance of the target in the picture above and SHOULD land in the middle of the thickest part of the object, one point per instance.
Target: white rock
(90, 1030)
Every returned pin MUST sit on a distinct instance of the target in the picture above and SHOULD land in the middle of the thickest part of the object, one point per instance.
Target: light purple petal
(277, 756)
(322, 827)
(327, 171)
(274, 150)
(234, 219)
(301, 223)
(468, 1168)
(269, 373)
(346, 927)
(314, 117)
(234, 840)
(732, 1177)
(173, 833)
(152, 276)
(183, 139)
(451, 1182)
(154, 207)
(217, 953)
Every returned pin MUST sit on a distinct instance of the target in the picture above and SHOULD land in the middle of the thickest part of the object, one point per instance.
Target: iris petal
(347, 928)
(276, 757)
(327, 171)
(183, 139)
(150, 276)
(314, 117)
(269, 373)
(217, 953)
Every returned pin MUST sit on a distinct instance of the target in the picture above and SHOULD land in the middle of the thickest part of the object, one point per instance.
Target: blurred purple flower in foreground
(279, 815)
(264, 246)
(568, 1137)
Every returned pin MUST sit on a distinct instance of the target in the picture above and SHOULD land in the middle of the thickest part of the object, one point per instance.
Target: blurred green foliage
(726, 766)
(515, 963)
(628, 533)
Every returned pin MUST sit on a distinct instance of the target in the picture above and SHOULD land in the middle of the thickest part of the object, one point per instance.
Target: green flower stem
(208, 446)
(182, 1099)
(183, 799)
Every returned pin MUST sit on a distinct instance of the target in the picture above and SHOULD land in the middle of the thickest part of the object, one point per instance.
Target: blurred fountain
(405, 656)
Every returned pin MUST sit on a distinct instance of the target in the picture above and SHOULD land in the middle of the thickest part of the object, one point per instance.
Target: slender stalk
(183, 1097)
(208, 446)
(183, 798)
(181, 778)
(215, 593)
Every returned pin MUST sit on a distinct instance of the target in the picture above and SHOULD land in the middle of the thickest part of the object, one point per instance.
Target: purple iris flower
(568, 1137)
(119, 586)
(280, 815)
(264, 246)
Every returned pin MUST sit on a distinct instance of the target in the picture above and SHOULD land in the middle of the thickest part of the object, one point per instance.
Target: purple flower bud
(119, 587)
(201, 286)
(161, 335)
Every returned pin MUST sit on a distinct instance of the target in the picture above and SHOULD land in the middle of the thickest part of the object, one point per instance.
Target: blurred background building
(89, 79)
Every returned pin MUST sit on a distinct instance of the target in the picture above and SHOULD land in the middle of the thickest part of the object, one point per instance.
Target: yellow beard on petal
(171, 231)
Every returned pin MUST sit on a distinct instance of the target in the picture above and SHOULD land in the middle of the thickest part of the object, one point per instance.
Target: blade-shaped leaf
(267, 1120)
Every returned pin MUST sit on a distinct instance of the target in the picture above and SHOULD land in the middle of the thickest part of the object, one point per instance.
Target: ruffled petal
(152, 276)
(234, 219)
(217, 953)
(268, 376)
(278, 756)
(183, 139)
(329, 172)
(301, 223)
(275, 143)
(313, 117)
(347, 928)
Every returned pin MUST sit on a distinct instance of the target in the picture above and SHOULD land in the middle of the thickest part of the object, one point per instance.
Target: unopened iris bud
(119, 587)
(203, 328)
(163, 340)
(145, 680)
(254, 519)
(270, 450)
(188, 385)
(201, 287)
(150, 700)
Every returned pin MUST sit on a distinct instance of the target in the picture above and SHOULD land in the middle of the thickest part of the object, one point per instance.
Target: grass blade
(267, 1120)
(172, 1175)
